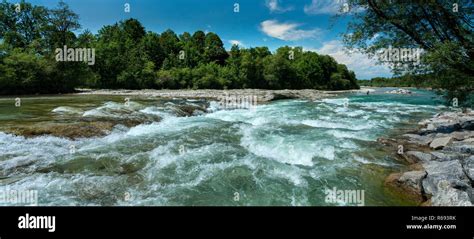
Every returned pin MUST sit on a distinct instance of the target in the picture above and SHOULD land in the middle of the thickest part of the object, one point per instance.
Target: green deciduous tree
(443, 29)
(127, 56)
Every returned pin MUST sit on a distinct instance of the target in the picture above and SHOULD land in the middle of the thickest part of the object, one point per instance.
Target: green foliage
(21, 29)
(443, 30)
(28, 40)
(127, 56)
(21, 70)
(419, 81)
(214, 49)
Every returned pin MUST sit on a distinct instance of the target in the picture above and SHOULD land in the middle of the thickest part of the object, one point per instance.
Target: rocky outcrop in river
(441, 158)
(74, 123)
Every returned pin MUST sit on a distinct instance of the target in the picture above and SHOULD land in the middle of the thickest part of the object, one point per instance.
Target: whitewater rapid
(281, 153)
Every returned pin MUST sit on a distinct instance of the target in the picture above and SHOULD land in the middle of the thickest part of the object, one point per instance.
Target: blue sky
(272, 23)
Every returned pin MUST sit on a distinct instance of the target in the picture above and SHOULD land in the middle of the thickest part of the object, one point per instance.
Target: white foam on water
(214, 106)
(167, 125)
(360, 135)
(257, 116)
(280, 153)
(367, 161)
(113, 109)
(352, 125)
(335, 101)
(67, 110)
(284, 150)
(154, 110)
(292, 175)
(19, 152)
(162, 156)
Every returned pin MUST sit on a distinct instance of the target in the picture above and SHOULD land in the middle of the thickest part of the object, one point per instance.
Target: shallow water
(282, 153)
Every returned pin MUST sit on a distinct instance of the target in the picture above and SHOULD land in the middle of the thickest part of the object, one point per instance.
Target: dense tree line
(128, 56)
(418, 81)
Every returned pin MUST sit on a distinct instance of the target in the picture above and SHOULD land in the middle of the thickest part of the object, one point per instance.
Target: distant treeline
(419, 81)
(125, 55)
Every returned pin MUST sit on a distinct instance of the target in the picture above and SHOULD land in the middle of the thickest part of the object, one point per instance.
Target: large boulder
(412, 179)
(445, 156)
(468, 125)
(449, 196)
(189, 110)
(419, 139)
(462, 135)
(419, 156)
(450, 171)
(461, 147)
(408, 183)
(469, 167)
(66, 130)
(439, 143)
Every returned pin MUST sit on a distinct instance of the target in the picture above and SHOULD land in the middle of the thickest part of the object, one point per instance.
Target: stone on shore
(408, 183)
(439, 143)
(448, 168)
(462, 148)
(469, 167)
(450, 171)
(419, 156)
(413, 179)
(419, 139)
(468, 125)
(445, 156)
(449, 196)
(462, 135)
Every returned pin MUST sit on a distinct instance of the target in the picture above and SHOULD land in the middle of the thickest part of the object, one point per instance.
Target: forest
(127, 56)
(418, 81)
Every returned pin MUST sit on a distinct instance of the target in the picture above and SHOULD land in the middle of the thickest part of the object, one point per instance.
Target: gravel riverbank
(262, 95)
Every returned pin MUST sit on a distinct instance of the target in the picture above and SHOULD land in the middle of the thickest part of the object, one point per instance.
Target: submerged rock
(190, 110)
(66, 130)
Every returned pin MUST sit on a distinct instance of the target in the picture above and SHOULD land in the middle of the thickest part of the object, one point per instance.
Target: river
(286, 152)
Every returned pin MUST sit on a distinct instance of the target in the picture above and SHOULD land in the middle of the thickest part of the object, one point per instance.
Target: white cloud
(331, 7)
(323, 7)
(361, 64)
(274, 6)
(287, 31)
(236, 42)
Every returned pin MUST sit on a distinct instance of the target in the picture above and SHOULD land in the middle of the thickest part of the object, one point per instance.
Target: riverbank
(440, 158)
(262, 95)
